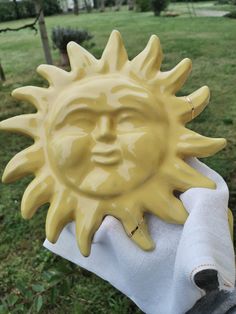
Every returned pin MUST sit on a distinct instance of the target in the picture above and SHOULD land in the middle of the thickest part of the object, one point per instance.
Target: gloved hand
(162, 281)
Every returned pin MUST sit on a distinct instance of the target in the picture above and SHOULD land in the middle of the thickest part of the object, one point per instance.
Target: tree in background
(158, 6)
(101, 5)
(118, 4)
(143, 5)
(17, 12)
(14, 10)
(2, 74)
(61, 36)
(43, 31)
(131, 4)
(88, 6)
(76, 7)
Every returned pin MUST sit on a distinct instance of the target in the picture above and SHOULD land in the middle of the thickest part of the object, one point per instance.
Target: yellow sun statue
(110, 140)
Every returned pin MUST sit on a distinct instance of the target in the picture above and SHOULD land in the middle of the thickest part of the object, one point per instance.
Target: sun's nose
(105, 129)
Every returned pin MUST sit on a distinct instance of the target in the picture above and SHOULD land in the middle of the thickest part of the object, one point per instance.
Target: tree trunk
(76, 7)
(43, 33)
(64, 58)
(157, 13)
(88, 6)
(95, 4)
(2, 74)
(130, 5)
(118, 5)
(17, 12)
(102, 5)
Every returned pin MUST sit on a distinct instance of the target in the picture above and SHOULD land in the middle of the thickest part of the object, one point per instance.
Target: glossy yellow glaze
(110, 139)
(231, 223)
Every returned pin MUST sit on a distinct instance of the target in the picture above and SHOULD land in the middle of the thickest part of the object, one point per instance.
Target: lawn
(33, 279)
(195, 8)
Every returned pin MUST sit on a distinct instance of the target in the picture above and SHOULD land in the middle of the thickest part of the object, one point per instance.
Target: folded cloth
(162, 281)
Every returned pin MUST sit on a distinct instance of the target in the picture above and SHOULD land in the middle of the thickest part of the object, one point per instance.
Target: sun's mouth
(106, 156)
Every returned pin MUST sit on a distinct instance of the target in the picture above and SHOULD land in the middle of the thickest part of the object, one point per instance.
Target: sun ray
(199, 100)
(158, 200)
(183, 177)
(148, 62)
(80, 59)
(27, 161)
(37, 193)
(26, 124)
(55, 76)
(134, 223)
(176, 78)
(87, 224)
(35, 95)
(141, 236)
(114, 55)
(60, 213)
(193, 144)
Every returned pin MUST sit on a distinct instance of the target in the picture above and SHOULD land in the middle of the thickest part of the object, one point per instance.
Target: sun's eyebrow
(76, 109)
(134, 98)
(84, 102)
(128, 88)
(84, 108)
(133, 104)
(140, 104)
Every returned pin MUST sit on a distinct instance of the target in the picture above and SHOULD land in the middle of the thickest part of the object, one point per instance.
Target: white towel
(162, 281)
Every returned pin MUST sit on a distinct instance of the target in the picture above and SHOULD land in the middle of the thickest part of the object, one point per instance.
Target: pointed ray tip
(4, 125)
(201, 95)
(187, 62)
(154, 39)
(143, 239)
(4, 177)
(206, 182)
(15, 92)
(50, 235)
(205, 89)
(26, 215)
(26, 212)
(115, 33)
(41, 68)
(185, 66)
(1, 125)
(44, 69)
(84, 246)
(85, 251)
(21, 91)
(222, 142)
(72, 45)
(7, 177)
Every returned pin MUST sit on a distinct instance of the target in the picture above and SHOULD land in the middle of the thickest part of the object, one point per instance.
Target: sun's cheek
(143, 147)
(71, 151)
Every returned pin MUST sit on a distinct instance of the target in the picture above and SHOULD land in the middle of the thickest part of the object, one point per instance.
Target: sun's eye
(128, 121)
(85, 121)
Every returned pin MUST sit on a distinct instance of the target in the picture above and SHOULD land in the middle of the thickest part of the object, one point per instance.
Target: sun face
(110, 140)
(101, 142)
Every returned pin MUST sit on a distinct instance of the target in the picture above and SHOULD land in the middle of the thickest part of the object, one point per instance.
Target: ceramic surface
(110, 139)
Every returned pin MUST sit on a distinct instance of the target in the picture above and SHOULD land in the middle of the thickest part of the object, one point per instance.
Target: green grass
(190, 8)
(30, 275)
